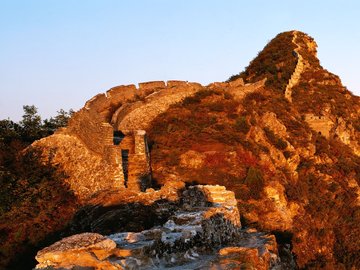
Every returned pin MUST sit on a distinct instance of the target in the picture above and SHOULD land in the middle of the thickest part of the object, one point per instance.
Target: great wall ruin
(136, 221)
(295, 77)
(112, 128)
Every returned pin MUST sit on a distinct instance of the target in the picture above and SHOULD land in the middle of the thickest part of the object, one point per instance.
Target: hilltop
(283, 135)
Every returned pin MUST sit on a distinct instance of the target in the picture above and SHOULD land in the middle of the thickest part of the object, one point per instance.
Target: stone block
(97, 103)
(174, 83)
(236, 83)
(151, 85)
(121, 92)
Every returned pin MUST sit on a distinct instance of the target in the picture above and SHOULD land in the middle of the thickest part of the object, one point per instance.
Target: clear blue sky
(59, 53)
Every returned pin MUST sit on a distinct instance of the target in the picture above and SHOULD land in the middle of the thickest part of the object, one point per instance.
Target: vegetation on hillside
(276, 62)
(214, 138)
(34, 200)
(214, 127)
(212, 123)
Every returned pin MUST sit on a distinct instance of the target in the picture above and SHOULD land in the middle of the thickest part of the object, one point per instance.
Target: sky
(57, 54)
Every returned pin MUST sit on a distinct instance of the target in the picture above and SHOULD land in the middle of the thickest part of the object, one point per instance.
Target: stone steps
(295, 77)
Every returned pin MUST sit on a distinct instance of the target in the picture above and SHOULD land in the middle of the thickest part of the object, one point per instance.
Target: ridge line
(295, 77)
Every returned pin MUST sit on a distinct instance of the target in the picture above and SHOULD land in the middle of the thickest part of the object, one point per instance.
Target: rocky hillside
(292, 160)
(283, 135)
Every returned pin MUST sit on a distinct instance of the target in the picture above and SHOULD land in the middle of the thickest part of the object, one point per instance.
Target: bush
(216, 106)
(266, 64)
(275, 140)
(191, 100)
(254, 180)
(288, 154)
(241, 125)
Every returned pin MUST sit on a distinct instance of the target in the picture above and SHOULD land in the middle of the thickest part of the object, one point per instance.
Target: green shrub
(254, 180)
(280, 144)
(191, 100)
(216, 106)
(287, 154)
(241, 125)
(228, 96)
(266, 63)
(275, 140)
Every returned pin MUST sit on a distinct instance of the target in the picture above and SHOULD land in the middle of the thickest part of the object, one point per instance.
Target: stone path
(295, 77)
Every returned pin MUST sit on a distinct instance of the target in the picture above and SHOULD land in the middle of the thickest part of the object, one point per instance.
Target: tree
(30, 124)
(60, 120)
(9, 130)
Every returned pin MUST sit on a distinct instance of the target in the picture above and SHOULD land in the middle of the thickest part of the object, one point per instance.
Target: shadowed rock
(206, 221)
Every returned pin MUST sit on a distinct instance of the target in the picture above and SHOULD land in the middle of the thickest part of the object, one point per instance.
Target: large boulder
(84, 250)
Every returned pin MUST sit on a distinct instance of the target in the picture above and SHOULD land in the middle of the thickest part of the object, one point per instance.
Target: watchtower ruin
(128, 152)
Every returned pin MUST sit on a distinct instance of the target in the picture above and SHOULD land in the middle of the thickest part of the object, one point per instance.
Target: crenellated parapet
(127, 107)
(151, 85)
(139, 115)
(129, 110)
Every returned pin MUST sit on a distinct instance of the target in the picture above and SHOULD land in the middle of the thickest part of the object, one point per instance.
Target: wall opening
(125, 165)
(118, 137)
(147, 152)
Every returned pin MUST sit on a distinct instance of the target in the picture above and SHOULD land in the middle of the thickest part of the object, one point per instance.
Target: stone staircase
(295, 77)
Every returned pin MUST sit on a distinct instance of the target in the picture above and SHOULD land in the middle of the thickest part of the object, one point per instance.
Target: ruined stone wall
(128, 109)
(116, 103)
(198, 234)
(239, 90)
(86, 173)
(347, 135)
(139, 164)
(90, 128)
(322, 124)
(124, 110)
(295, 77)
(146, 88)
(106, 104)
(139, 178)
(131, 108)
(128, 143)
(139, 117)
(112, 156)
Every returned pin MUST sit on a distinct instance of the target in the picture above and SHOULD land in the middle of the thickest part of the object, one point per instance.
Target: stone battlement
(87, 123)
(128, 110)
(125, 93)
(151, 85)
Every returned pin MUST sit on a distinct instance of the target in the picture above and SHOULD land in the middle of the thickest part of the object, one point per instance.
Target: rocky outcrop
(204, 231)
(89, 150)
(347, 135)
(81, 250)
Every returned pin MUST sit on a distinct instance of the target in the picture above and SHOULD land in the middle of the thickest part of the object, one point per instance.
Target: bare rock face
(348, 135)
